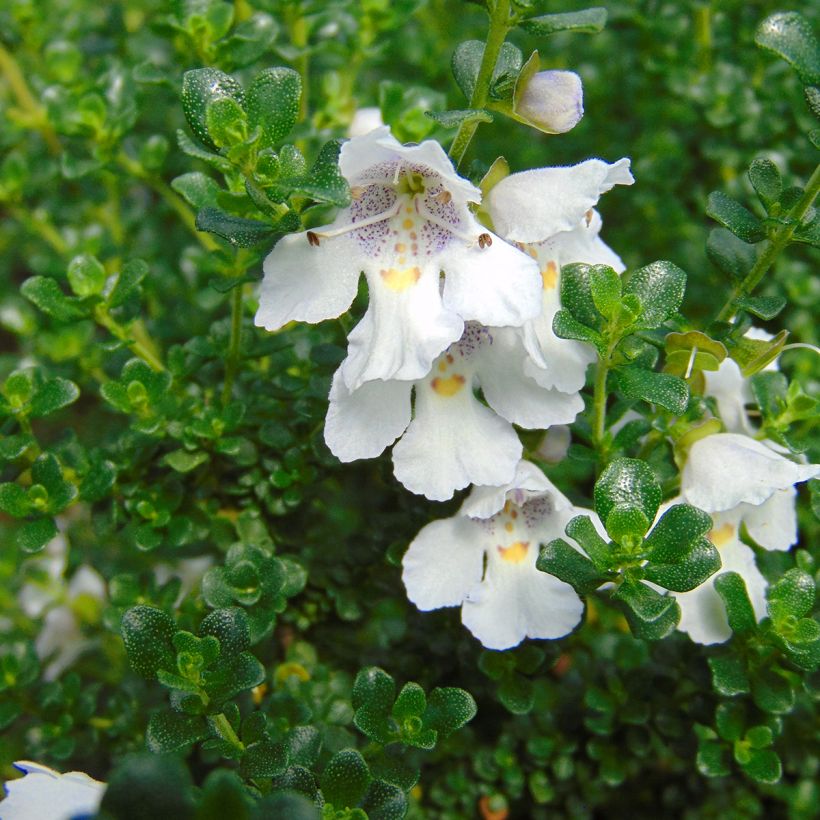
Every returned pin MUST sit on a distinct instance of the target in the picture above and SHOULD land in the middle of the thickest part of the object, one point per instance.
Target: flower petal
(454, 441)
(773, 524)
(486, 501)
(516, 396)
(360, 424)
(46, 795)
(404, 329)
(497, 285)
(703, 615)
(514, 602)
(443, 562)
(308, 283)
(727, 469)
(731, 391)
(532, 206)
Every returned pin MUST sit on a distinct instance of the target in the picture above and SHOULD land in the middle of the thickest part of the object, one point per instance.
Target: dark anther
(485, 240)
(312, 239)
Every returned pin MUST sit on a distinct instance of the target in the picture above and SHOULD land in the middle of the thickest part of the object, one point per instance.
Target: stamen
(362, 223)
(443, 198)
(434, 220)
(691, 363)
(484, 241)
(312, 239)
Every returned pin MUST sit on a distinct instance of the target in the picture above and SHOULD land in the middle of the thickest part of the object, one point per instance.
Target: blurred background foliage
(162, 469)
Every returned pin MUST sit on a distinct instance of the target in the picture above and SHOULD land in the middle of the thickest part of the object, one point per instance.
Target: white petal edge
(773, 524)
(443, 562)
(485, 502)
(45, 794)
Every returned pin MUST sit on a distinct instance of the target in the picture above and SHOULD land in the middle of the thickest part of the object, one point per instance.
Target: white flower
(726, 470)
(549, 212)
(703, 615)
(408, 221)
(449, 439)
(61, 640)
(483, 559)
(552, 101)
(44, 794)
(364, 121)
(731, 389)
(739, 481)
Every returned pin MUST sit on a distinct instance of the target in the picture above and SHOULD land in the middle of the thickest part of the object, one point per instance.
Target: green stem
(233, 358)
(223, 728)
(497, 33)
(25, 99)
(40, 226)
(774, 246)
(141, 346)
(600, 396)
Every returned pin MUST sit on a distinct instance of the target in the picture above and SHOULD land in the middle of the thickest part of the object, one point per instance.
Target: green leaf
(240, 232)
(627, 482)
(712, 759)
(701, 563)
(374, 688)
(128, 282)
(732, 215)
(284, 806)
(197, 189)
(605, 289)
(230, 627)
(566, 326)
(263, 759)
(517, 694)
(763, 765)
(448, 709)
(764, 307)
(324, 182)
(384, 801)
(730, 721)
(659, 287)
(651, 615)
(765, 179)
(576, 292)
(345, 779)
(729, 676)
(226, 122)
(273, 103)
(582, 530)
(52, 396)
(14, 500)
(663, 389)
(754, 354)
(791, 596)
(147, 634)
(98, 481)
(677, 531)
(772, 692)
(172, 731)
(183, 461)
(455, 119)
(243, 672)
(559, 559)
(586, 21)
(732, 590)
(34, 535)
(200, 87)
(467, 60)
(303, 744)
(789, 35)
(730, 254)
(45, 293)
(86, 275)
(411, 702)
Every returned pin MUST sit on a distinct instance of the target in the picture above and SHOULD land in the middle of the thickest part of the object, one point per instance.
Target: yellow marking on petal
(721, 536)
(515, 553)
(549, 276)
(400, 247)
(400, 279)
(507, 506)
(407, 224)
(442, 366)
(509, 526)
(514, 514)
(412, 233)
(409, 209)
(449, 386)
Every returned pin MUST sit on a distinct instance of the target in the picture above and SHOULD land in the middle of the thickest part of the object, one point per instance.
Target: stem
(233, 358)
(223, 728)
(25, 99)
(42, 227)
(497, 33)
(600, 396)
(139, 347)
(774, 246)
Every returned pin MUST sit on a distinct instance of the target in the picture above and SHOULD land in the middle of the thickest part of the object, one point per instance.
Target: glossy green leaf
(45, 293)
(240, 232)
(789, 35)
(345, 779)
(627, 482)
(147, 634)
(273, 103)
(659, 288)
(729, 676)
(732, 215)
(86, 275)
(765, 179)
(200, 87)
(732, 590)
(34, 535)
(791, 596)
(128, 282)
(559, 559)
(585, 21)
(764, 307)
(467, 60)
(172, 732)
(731, 255)
(52, 396)
(454, 119)
(663, 389)
(448, 709)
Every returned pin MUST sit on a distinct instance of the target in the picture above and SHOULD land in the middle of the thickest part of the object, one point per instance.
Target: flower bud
(551, 101)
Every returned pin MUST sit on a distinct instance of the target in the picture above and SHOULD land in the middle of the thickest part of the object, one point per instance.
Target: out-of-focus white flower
(44, 794)
(551, 101)
(364, 121)
(190, 572)
(61, 640)
(549, 212)
(483, 559)
(553, 447)
(408, 221)
(452, 440)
